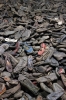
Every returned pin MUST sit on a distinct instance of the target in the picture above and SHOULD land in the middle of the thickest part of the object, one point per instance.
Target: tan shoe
(2, 88)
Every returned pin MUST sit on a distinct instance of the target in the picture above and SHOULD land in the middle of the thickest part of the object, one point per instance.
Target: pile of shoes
(32, 50)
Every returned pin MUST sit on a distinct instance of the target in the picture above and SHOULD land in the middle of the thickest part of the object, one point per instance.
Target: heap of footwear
(32, 50)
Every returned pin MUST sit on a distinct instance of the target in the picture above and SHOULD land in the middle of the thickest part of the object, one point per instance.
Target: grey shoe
(28, 84)
(50, 77)
(60, 83)
(12, 59)
(30, 62)
(36, 48)
(52, 62)
(22, 64)
(18, 94)
(3, 48)
(57, 87)
(45, 88)
(55, 95)
(59, 55)
(43, 39)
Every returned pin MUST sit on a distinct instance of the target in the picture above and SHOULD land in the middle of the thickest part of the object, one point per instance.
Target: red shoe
(40, 52)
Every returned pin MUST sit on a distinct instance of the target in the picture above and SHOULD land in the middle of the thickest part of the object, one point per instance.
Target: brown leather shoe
(2, 88)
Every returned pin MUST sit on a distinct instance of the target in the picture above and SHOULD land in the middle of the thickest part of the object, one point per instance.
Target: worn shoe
(27, 48)
(57, 87)
(50, 77)
(2, 88)
(22, 64)
(28, 84)
(30, 63)
(42, 49)
(11, 91)
(45, 88)
(63, 77)
(12, 59)
(3, 48)
(59, 55)
(60, 83)
(55, 95)
(44, 56)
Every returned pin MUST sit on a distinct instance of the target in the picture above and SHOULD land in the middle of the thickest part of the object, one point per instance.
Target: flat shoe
(8, 64)
(59, 55)
(2, 88)
(55, 95)
(12, 59)
(60, 83)
(28, 84)
(30, 63)
(21, 64)
(11, 91)
(57, 87)
(45, 88)
(50, 77)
